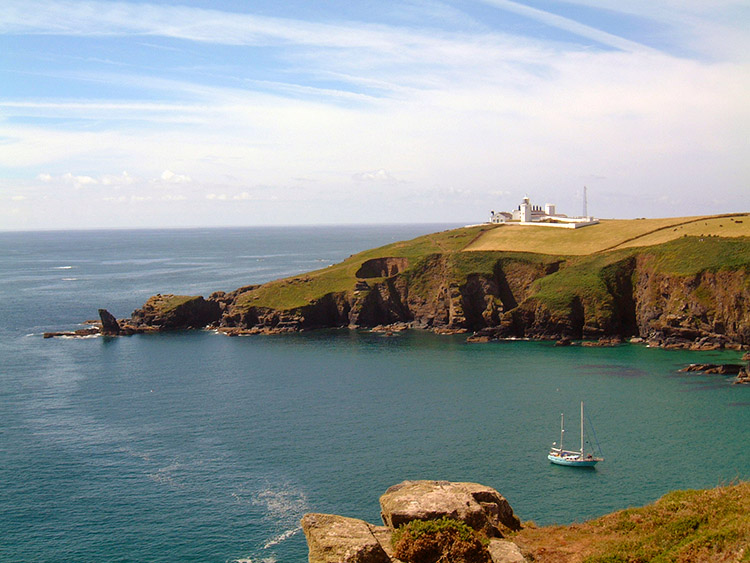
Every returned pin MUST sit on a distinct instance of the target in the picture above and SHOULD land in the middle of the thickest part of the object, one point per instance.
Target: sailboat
(572, 458)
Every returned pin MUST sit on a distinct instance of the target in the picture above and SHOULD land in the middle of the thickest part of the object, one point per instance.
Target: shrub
(444, 540)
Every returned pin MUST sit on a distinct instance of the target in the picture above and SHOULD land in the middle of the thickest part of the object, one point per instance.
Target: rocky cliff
(690, 292)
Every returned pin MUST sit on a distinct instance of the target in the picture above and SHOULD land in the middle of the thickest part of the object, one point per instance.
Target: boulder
(480, 507)
(504, 551)
(337, 539)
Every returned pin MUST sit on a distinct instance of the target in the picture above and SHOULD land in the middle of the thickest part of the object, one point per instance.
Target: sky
(186, 113)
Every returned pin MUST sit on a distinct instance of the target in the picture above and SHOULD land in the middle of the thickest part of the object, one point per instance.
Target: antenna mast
(585, 203)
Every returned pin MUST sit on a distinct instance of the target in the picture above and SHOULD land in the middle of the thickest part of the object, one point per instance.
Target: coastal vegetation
(444, 539)
(696, 526)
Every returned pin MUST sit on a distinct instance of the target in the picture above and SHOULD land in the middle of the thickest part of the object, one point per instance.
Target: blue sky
(194, 113)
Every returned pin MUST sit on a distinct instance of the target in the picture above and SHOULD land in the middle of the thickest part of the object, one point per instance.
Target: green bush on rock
(442, 540)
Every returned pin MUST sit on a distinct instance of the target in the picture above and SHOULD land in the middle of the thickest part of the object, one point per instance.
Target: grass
(609, 234)
(299, 291)
(696, 526)
(167, 303)
(692, 255)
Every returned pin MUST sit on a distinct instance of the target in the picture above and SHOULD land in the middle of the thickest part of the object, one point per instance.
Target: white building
(528, 214)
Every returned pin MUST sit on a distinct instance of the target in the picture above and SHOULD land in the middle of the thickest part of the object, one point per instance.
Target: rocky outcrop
(337, 539)
(480, 507)
(720, 369)
(382, 267)
(170, 312)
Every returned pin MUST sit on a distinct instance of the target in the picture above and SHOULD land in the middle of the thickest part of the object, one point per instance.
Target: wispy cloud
(419, 109)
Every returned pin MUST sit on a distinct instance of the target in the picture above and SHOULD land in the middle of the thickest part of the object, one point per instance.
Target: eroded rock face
(382, 267)
(480, 507)
(337, 539)
(169, 312)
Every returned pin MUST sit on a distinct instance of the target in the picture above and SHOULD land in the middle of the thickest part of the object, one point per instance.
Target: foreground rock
(337, 539)
(480, 507)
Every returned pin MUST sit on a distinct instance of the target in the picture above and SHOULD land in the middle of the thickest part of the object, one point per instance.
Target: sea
(194, 446)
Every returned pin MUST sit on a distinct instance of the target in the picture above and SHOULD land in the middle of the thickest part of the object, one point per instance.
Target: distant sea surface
(194, 446)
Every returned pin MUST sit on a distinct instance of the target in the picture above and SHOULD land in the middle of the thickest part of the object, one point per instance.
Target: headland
(673, 282)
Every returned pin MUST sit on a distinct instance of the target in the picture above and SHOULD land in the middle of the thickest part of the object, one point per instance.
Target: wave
(69, 279)
(276, 540)
(63, 268)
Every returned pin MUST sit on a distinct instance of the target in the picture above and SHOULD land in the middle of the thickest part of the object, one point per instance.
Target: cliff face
(714, 304)
(665, 294)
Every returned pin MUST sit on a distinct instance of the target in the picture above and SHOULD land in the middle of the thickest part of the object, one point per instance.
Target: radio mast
(585, 203)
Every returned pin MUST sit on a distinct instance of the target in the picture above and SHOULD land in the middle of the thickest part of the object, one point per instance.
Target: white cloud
(123, 179)
(380, 176)
(172, 178)
(79, 181)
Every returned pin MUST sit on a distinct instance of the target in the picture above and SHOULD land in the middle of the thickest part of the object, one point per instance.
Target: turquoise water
(199, 447)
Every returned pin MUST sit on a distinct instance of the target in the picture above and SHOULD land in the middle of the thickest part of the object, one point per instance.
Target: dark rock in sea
(604, 342)
(80, 333)
(110, 326)
(719, 369)
(743, 377)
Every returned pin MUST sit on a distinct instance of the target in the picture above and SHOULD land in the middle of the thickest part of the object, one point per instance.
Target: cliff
(688, 291)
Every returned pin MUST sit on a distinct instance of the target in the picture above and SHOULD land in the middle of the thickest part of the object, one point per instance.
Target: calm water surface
(199, 447)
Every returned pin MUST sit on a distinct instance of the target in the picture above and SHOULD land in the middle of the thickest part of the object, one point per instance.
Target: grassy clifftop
(695, 526)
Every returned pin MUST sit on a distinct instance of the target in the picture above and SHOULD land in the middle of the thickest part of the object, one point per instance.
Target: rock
(80, 333)
(480, 507)
(174, 312)
(110, 326)
(743, 377)
(478, 338)
(720, 369)
(564, 341)
(604, 342)
(337, 539)
(504, 551)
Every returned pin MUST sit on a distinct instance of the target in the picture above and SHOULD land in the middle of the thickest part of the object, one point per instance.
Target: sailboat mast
(582, 429)
(562, 431)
